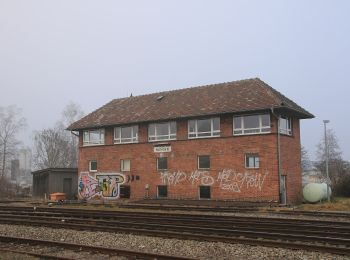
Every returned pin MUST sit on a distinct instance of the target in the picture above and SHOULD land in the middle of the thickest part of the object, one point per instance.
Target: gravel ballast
(176, 247)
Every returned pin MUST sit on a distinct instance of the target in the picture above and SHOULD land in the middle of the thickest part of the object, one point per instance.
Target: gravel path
(187, 248)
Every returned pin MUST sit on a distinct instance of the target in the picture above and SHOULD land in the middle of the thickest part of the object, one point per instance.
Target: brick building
(217, 142)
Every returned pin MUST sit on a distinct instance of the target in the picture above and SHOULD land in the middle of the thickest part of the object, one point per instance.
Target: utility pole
(327, 155)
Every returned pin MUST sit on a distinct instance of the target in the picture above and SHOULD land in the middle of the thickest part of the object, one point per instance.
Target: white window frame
(288, 130)
(90, 170)
(155, 137)
(122, 167)
(101, 141)
(120, 140)
(260, 128)
(255, 155)
(198, 162)
(211, 133)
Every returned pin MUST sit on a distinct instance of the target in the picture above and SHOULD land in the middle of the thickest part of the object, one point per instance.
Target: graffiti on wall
(103, 185)
(227, 179)
(235, 182)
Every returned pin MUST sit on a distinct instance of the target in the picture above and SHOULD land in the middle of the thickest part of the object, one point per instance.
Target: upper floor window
(252, 124)
(93, 137)
(162, 131)
(199, 128)
(127, 134)
(285, 126)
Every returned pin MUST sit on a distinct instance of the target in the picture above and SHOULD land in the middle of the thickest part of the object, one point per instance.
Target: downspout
(72, 132)
(278, 153)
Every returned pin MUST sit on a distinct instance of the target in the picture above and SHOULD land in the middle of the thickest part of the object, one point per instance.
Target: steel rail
(328, 231)
(142, 227)
(216, 238)
(115, 214)
(39, 255)
(281, 224)
(210, 209)
(95, 249)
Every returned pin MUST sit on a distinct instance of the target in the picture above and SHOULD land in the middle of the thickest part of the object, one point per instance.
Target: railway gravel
(187, 248)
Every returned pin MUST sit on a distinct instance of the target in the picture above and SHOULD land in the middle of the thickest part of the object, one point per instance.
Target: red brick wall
(227, 153)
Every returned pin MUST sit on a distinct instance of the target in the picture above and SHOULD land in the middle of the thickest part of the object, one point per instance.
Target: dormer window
(93, 137)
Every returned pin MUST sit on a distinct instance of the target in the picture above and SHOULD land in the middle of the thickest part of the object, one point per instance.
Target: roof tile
(230, 97)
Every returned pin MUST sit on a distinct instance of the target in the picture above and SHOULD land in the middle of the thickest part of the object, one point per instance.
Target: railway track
(191, 208)
(325, 236)
(79, 247)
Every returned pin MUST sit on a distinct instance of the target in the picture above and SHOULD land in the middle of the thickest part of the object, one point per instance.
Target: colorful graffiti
(227, 179)
(104, 185)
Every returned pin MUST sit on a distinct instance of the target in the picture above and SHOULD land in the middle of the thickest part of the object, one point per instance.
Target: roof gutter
(72, 132)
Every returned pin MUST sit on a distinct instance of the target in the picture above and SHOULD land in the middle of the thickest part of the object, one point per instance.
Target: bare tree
(50, 149)
(71, 113)
(56, 147)
(11, 123)
(306, 164)
(335, 160)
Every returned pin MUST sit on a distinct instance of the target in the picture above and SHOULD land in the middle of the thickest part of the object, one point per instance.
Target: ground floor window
(93, 166)
(162, 163)
(203, 162)
(252, 161)
(124, 191)
(125, 165)
(162, 191)
(204, 192)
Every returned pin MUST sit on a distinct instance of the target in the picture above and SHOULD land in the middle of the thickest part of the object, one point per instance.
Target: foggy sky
(89, 52)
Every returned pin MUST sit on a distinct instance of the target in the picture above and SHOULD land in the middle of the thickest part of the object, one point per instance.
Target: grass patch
(336, 204)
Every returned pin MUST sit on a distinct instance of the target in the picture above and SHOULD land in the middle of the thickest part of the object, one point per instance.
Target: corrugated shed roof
(231, 97)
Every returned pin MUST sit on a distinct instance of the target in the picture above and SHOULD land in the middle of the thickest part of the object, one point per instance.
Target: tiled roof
(231, 97)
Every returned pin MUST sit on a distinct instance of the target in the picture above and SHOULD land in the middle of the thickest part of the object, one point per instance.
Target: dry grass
(337, 204)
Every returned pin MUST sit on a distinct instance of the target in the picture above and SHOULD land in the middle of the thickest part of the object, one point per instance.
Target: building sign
(162, 149)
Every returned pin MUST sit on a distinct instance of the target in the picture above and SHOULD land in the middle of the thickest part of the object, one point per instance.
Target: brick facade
(228, 177)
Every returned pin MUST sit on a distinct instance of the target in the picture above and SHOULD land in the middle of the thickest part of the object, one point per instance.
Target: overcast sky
(89, 52)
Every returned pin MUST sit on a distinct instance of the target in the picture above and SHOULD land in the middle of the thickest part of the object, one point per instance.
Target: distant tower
(14, 169)
(25, 161)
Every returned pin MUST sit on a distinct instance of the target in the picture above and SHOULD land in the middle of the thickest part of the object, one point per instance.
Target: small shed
(51, 180)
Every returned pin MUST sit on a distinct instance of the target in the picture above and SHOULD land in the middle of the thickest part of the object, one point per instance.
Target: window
(93, 166)
(203, 162)
(200, 128)
(124, 191)
(94, 137)
(128, 134)
(125, 165)
(285, 126)
(204, 192)
(162, 191)
(162, 131)
(162, 163)
(252, 124)
(252, 161)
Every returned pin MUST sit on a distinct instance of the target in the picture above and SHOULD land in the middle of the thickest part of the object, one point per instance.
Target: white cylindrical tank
(315, 192)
